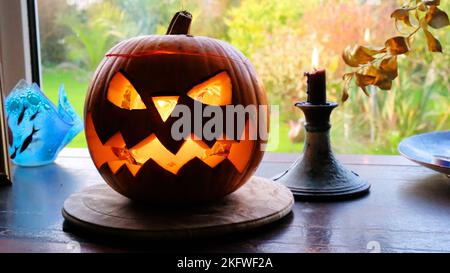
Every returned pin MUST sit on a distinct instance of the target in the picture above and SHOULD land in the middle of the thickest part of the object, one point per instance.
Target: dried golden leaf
(423, 23)
(364, 89)
(345, 96)
(410, 39)
(373, 50)
(397, 45)
(389, 67)
(370, 71)
(421, 6)
(433, 44)
(380, 78)
(368, 76)
(357, 55)
(385, 84)
(402, 15)
(432, 2)
(364, 80)
(437, 18)
(354, 56)
(347, 78)
(348, 57)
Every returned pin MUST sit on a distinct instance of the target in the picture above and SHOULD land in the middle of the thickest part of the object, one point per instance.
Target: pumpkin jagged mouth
(115, 153)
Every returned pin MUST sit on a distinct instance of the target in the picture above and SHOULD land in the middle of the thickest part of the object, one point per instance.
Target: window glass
(279, 37)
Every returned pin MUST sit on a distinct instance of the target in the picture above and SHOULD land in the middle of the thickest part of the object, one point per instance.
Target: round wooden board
(99, 209)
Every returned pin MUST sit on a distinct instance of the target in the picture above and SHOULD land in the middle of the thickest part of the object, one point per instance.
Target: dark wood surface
(407, 210)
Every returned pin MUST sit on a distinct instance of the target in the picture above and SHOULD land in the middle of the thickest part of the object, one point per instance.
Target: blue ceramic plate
(431, 150)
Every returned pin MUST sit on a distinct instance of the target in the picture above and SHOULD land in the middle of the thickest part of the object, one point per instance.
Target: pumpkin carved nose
(165, 105)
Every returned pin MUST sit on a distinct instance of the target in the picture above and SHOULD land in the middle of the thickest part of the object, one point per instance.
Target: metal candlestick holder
(319, 175)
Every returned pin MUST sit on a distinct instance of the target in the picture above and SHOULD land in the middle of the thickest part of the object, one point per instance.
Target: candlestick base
(319, 175)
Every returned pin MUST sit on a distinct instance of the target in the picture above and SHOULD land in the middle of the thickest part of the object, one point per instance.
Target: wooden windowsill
(406, 211)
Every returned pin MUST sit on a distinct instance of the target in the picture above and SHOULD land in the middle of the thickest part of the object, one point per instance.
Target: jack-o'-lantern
(128, 116)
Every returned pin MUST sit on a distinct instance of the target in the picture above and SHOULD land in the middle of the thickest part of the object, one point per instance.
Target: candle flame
(367, 36)
(315, 58)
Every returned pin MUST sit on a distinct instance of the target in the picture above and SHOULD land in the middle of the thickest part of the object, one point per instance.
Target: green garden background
(278, 36)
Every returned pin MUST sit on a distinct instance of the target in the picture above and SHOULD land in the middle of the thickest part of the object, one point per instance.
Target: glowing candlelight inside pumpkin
(316, 81)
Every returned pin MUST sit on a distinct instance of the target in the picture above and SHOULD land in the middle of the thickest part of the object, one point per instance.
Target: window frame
(19, 43)
(19, 59)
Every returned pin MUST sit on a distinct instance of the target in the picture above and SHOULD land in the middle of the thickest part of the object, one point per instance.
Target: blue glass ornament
(37, 129)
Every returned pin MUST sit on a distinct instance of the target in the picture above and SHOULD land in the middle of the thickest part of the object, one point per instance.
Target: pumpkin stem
(180, 24)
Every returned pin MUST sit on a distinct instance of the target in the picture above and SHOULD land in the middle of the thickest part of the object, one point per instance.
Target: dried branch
(378, 66)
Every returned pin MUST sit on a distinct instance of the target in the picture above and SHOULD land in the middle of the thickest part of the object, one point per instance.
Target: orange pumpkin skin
(168, 65)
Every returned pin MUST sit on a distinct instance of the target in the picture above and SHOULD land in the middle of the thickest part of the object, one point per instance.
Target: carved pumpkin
(128, 116)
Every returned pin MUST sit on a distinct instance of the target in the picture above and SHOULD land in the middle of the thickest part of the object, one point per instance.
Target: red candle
(317, 87)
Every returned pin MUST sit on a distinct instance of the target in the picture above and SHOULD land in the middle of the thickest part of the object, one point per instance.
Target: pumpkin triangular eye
(123, 94)
(214, 91)
(165, 105)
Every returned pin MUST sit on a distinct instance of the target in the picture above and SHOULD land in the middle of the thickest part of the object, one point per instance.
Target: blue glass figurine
(38, 129)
